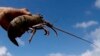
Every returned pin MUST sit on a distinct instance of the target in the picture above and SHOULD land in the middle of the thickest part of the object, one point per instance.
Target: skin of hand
(7, 14)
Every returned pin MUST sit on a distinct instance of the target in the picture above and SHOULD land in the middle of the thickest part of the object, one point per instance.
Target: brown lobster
(21, 24)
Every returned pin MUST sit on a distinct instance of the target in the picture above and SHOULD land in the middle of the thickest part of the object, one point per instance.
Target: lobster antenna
(75, 36)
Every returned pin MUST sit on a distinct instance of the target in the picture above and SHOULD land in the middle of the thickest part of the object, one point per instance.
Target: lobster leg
(40, 25)
(46, 31)
(50, 26)
(33, 32)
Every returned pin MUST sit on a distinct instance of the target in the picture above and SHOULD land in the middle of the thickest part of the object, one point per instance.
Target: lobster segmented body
(19, 25)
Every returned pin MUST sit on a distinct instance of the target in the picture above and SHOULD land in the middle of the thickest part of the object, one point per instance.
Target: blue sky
(80, 17)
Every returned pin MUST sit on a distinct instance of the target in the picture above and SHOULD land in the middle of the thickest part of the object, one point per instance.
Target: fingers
(26, 11)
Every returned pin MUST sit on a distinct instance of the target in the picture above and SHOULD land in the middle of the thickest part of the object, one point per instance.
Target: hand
(7, 14)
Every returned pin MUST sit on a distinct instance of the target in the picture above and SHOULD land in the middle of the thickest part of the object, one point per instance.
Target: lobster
(19, 25)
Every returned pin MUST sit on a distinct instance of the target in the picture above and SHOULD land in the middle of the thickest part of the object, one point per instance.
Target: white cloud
(60, 54)
(96, 39)
(56, 54)
(86, 24)
(97, 3)
(4, 51)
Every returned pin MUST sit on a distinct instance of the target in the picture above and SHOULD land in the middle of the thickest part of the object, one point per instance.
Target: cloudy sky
(80, 17)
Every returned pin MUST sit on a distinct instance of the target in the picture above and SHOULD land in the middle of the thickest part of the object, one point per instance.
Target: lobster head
(19, 25)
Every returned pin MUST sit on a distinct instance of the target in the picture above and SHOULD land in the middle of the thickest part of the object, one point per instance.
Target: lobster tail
(16, 29)
(12, 35)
